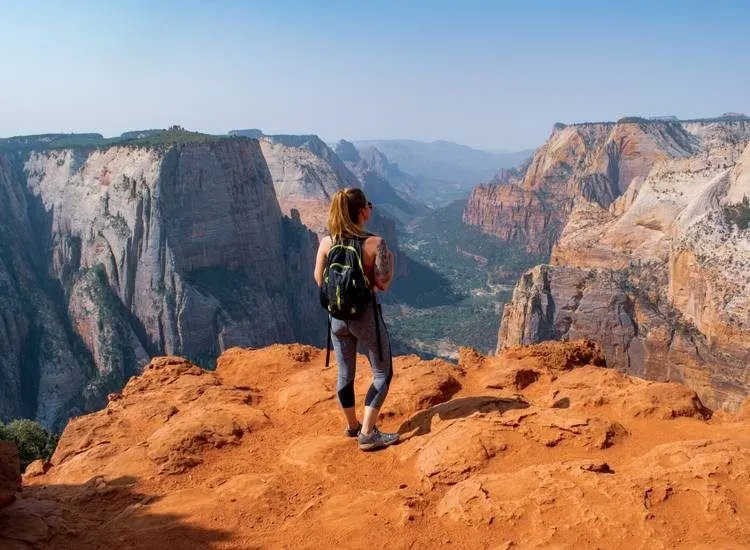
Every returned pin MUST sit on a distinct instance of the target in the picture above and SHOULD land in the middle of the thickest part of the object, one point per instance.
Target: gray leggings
(345, 336)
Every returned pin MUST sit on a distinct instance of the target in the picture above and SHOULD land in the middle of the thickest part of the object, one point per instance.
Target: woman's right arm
(320, 259)
(384, 264)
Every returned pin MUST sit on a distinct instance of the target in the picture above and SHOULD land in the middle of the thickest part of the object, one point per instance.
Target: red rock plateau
(538, 447)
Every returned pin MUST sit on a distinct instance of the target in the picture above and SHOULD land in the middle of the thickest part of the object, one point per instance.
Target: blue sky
(495, 75)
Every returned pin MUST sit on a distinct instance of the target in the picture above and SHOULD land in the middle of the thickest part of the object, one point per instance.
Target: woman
(347, 217)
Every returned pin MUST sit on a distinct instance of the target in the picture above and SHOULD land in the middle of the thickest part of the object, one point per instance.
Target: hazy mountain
(383, 182)
(446, 171)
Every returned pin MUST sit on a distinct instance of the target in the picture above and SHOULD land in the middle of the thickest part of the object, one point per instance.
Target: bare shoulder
(373, 242)
(325, 243)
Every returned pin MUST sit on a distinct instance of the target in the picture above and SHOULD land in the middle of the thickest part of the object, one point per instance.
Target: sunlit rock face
(658, 272)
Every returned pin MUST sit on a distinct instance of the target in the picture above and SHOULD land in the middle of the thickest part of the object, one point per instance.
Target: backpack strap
(376, 315)
(328, 343)
(375, 306)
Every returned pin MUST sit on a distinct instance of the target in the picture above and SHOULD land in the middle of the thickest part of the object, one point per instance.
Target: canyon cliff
(305, 173)
(113, 254)
(649, 248)
(597, 161)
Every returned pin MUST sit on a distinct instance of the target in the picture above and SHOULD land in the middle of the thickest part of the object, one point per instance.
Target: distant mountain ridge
(446, 171)
(383, 181)
(433, 174)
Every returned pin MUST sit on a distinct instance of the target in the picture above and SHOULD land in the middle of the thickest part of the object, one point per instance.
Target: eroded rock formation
(658, 271)
(597, 162)
(306, 173)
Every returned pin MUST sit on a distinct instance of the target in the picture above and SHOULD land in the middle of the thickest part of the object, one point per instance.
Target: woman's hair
(344, 213)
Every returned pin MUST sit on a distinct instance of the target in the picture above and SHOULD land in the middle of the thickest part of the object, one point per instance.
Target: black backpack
(345, 292)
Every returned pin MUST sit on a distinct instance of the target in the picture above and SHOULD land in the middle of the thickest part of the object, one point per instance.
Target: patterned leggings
(346, 336)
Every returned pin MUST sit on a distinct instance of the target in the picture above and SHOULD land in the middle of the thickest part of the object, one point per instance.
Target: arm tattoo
(383, 265)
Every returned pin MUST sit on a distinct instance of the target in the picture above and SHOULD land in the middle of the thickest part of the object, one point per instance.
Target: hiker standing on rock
(352, 265)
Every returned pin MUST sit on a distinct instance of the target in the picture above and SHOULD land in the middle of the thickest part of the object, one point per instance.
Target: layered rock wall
(305, 173)
(596, 161)
(661, 275)
(39, 352)
(179, 249)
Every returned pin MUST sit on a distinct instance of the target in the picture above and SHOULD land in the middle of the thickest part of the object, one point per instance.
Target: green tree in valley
(33, 441)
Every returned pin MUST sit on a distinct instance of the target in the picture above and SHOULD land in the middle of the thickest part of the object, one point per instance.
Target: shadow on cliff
(99, 514)
(459, 408)
(422, 287)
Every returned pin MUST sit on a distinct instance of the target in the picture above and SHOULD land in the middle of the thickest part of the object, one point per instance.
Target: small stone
(37, 468)
(114, 397)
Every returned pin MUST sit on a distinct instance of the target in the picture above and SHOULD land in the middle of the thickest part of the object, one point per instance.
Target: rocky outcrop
(626, 311)
(10, 473)
(180, 248)
(659, 276)
(536, 447)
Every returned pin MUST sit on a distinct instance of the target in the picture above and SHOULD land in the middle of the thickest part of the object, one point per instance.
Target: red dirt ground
(536, 448)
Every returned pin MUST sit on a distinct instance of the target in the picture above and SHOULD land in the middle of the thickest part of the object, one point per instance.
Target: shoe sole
(376, 446)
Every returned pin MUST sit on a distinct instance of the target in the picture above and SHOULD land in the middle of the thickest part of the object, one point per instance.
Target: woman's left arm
(320, 259)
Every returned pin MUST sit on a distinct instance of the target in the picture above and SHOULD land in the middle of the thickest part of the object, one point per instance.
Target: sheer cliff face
(37, 352)
(661, 275)
(305, 173)
(182, 250)
(595, 161)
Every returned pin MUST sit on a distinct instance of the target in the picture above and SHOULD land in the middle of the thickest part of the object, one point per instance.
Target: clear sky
(491, 74)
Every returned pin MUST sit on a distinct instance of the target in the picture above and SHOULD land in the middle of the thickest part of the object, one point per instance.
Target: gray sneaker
(376, 440)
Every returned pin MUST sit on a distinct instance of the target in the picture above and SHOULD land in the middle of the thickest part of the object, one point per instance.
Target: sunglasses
(370, 205)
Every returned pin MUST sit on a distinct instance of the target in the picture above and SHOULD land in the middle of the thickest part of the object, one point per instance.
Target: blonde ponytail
(343, 215)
